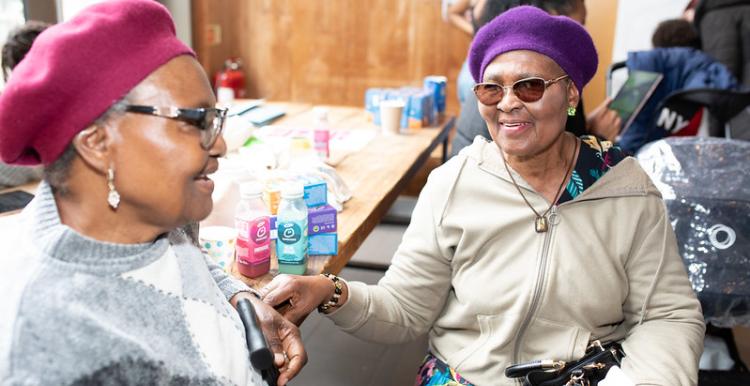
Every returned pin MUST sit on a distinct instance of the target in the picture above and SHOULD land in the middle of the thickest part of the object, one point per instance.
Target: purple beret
(529, 28)
(76, 70)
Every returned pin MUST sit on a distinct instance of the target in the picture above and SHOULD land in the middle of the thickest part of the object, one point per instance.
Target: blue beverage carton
(316, 190)
(437, 84)
(406, 94)
(321, 219)
(431, 116)
(316, 194)
(273, 232)
(420, 109)
(323, 244)
(373, 96)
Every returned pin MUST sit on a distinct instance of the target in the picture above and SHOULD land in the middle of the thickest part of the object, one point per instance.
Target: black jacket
(724, 26)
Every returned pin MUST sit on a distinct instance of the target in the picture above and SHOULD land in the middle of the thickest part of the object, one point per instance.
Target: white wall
(636, 22)
(180, 10)
(67, 9)
(182, 16)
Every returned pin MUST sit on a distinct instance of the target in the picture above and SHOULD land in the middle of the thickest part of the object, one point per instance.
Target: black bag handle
(261, 356)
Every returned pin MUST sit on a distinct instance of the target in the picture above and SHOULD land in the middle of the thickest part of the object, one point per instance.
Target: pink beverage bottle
(253, 222)
(321, 133)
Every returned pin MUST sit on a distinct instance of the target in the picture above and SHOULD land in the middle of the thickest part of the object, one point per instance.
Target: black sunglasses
(210, 121)
(527, 90)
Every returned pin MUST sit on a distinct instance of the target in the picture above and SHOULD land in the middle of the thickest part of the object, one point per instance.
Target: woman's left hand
(283, 338)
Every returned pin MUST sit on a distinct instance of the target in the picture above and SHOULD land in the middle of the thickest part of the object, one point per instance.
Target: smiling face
(160, 167)
(526, 129)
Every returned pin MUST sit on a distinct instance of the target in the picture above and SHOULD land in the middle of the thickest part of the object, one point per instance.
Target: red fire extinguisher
(231, 77)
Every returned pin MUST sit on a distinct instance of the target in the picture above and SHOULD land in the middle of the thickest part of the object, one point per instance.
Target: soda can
(437, 84)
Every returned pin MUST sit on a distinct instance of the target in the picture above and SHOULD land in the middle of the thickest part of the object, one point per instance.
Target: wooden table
(376, 175)
(28, 188)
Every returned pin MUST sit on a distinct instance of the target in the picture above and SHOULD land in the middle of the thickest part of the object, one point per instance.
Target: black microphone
(261, 357)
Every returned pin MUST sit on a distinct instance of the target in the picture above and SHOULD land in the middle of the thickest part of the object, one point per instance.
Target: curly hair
(676, 33)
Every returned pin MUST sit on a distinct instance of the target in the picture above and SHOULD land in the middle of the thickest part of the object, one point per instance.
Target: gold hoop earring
(571, 111)
(113, 198)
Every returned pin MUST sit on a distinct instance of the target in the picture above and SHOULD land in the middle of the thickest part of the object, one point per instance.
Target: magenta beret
(76, 70)
(529, 28)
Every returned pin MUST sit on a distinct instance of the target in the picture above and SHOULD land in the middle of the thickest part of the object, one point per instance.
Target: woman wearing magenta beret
(536, 245)
(101, 282)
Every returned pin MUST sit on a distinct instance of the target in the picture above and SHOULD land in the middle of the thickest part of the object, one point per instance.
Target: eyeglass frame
(547, 83)
(194, 117)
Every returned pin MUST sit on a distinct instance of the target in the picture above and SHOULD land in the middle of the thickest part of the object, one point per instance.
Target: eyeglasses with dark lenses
(210, 121)
(527, 90)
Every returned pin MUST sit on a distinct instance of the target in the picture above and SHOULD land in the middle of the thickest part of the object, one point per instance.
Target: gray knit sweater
(74, 310)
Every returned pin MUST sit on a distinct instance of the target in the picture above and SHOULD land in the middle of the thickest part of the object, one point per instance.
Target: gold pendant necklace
(541, 224)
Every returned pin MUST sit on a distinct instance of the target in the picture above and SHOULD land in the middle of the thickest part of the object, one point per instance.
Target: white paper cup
(390, 116)
(218, 243)
(224, 95)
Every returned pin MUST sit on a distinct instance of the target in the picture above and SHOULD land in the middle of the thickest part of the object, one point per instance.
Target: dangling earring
(571, 111)
(113, 198)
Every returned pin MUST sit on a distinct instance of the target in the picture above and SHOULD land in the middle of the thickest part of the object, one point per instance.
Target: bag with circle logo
(705, 185)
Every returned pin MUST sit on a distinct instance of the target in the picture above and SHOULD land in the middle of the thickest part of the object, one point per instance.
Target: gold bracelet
(338, 287)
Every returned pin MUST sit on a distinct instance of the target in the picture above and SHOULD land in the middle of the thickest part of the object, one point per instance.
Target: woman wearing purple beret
(101, 283)
(535, 245)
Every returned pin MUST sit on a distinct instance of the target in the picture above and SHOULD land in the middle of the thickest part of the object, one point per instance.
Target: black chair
(724, 106)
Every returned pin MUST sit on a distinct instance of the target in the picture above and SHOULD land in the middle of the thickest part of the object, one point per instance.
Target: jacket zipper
(541, 278)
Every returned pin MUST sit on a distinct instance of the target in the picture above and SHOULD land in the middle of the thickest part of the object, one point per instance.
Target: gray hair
(56, 174)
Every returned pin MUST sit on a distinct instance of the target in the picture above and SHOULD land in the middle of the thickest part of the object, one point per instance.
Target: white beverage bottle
(321, 133)
(253, 222)
(291, 230)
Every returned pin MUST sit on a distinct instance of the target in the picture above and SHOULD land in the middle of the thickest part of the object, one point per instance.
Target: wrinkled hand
(282, 336)
(303, 294)
(604, 122)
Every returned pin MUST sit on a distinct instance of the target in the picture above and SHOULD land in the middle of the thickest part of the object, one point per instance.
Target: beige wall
(600, 22)
(330, 52)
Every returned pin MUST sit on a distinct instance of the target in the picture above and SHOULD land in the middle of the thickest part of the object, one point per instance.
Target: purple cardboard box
(321, 219)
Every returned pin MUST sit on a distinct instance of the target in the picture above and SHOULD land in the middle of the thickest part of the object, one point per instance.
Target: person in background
(101, 282)
(675, 33)
(684, 67)
(688, 13)
(724, 28)
(18, 44)
(464, 15)
(602, 122)
(528, 246)
(15, 48)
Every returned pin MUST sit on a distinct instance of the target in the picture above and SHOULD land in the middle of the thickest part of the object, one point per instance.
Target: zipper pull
(522, 369)
(554, 218)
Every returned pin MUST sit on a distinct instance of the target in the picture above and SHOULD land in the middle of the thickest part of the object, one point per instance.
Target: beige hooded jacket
(490, 291)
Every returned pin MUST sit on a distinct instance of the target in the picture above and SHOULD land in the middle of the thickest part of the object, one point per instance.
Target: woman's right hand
(303, 294)
(604, 122)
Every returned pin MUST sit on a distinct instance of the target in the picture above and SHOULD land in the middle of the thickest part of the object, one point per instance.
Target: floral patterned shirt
(595, 158)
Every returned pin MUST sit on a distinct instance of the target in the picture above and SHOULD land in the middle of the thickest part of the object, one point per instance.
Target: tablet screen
(634, 94)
